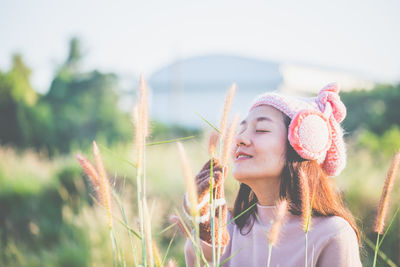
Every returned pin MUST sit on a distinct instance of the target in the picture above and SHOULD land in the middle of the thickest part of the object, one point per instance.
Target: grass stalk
(280, 213)
(384, 201)
(168, 248)
(191, 189)
(381, 254)
(147, 231)
(385, 196)
(269, 254)
(195, 244)
(376, 250)
(227, 107)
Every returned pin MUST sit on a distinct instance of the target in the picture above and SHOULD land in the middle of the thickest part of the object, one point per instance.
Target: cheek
(272, 151)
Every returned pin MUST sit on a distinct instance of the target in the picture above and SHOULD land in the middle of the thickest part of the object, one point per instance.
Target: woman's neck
(266, 190)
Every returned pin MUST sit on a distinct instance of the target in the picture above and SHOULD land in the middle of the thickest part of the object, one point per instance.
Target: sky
(139, 37)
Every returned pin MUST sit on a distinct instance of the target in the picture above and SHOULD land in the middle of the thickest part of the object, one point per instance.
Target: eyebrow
(258, 120)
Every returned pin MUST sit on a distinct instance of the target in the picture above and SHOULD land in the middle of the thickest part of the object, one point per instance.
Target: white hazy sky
(131, 37)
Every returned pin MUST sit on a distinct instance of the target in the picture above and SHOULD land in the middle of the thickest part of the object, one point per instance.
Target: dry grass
(385, 197)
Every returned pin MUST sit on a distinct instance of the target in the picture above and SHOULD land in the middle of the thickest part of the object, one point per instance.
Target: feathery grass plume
(212, 144)
(191, 190)
(147, 233)
(305, 201)
(280, 212)
(189, 180)
(139, 138)
(140, 145)
(384, 202)
(144, 106)
(104, 183)
(306, 208)
(281, 206)
(227, 107)
(385, 197)
(90, 171)
(229, 140)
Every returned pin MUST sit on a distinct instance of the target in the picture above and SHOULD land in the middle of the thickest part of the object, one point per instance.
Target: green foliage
(20, 75)
(375, 110)
(387, 144)
(15, 95)
(83, 107)
(34, 228)
(161, 131)
(77, 108)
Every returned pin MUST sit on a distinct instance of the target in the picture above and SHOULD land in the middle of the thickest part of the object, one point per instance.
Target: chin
(241, 176)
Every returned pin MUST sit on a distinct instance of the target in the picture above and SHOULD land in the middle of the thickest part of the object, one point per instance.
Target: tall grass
(220, 144)
(306, 208)
(384, 202)
(282, 206)
(101, 184)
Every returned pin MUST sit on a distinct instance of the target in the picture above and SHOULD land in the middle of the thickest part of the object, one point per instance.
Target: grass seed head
(305, 200)
(144, 107)
(104, 183)
(281, 209)
(191, 188)
(385, 197)
(139, 140)
(212, 144)
(227, 107)
(89, 170)
(229, 140)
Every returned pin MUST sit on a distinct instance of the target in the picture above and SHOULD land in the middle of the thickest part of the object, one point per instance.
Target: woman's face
(260, 146)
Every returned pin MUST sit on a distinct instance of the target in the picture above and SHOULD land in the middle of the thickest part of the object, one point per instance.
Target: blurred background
(69, 74)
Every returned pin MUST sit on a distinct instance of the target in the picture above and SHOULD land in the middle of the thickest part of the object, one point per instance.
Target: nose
(242, 139)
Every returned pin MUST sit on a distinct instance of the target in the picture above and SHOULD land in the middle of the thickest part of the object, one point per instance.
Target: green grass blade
(243, 212)
(390, 224)
(227, 259)
(121, 205)
(170, 141)
(380, 253)
(194, 243)
(104, 148)
(117, 219)
(169, 246)
(165, 229)
(209, 123)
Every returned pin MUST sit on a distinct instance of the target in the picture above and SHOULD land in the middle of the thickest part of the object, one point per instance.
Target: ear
(310, 134)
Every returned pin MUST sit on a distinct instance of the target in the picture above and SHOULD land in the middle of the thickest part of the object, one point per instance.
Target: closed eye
(261, 131)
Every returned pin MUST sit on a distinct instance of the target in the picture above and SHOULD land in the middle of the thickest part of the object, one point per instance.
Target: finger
(216, 165)
(205, 176)
(224, 210)
(203, 185)
(219, 192)
(175, 219)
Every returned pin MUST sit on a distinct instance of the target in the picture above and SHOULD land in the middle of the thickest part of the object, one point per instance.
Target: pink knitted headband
(314, 131)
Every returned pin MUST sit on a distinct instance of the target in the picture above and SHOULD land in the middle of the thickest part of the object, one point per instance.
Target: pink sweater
(331, 242)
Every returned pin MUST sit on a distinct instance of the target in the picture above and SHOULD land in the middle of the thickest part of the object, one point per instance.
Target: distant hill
(217, 71)
(194, 85)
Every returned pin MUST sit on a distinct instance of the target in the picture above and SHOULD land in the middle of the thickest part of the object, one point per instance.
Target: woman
(283, 144)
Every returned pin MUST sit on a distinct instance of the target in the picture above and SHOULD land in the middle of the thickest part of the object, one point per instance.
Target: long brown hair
(327, 200)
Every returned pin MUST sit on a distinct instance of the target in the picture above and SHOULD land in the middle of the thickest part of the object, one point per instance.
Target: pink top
(331, 242)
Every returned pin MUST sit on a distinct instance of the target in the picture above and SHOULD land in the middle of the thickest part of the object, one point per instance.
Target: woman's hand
(203, 202)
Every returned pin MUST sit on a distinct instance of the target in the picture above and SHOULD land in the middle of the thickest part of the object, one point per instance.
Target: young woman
(282, 141)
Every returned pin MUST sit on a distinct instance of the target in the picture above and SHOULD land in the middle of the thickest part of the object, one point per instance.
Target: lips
(240, 155)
